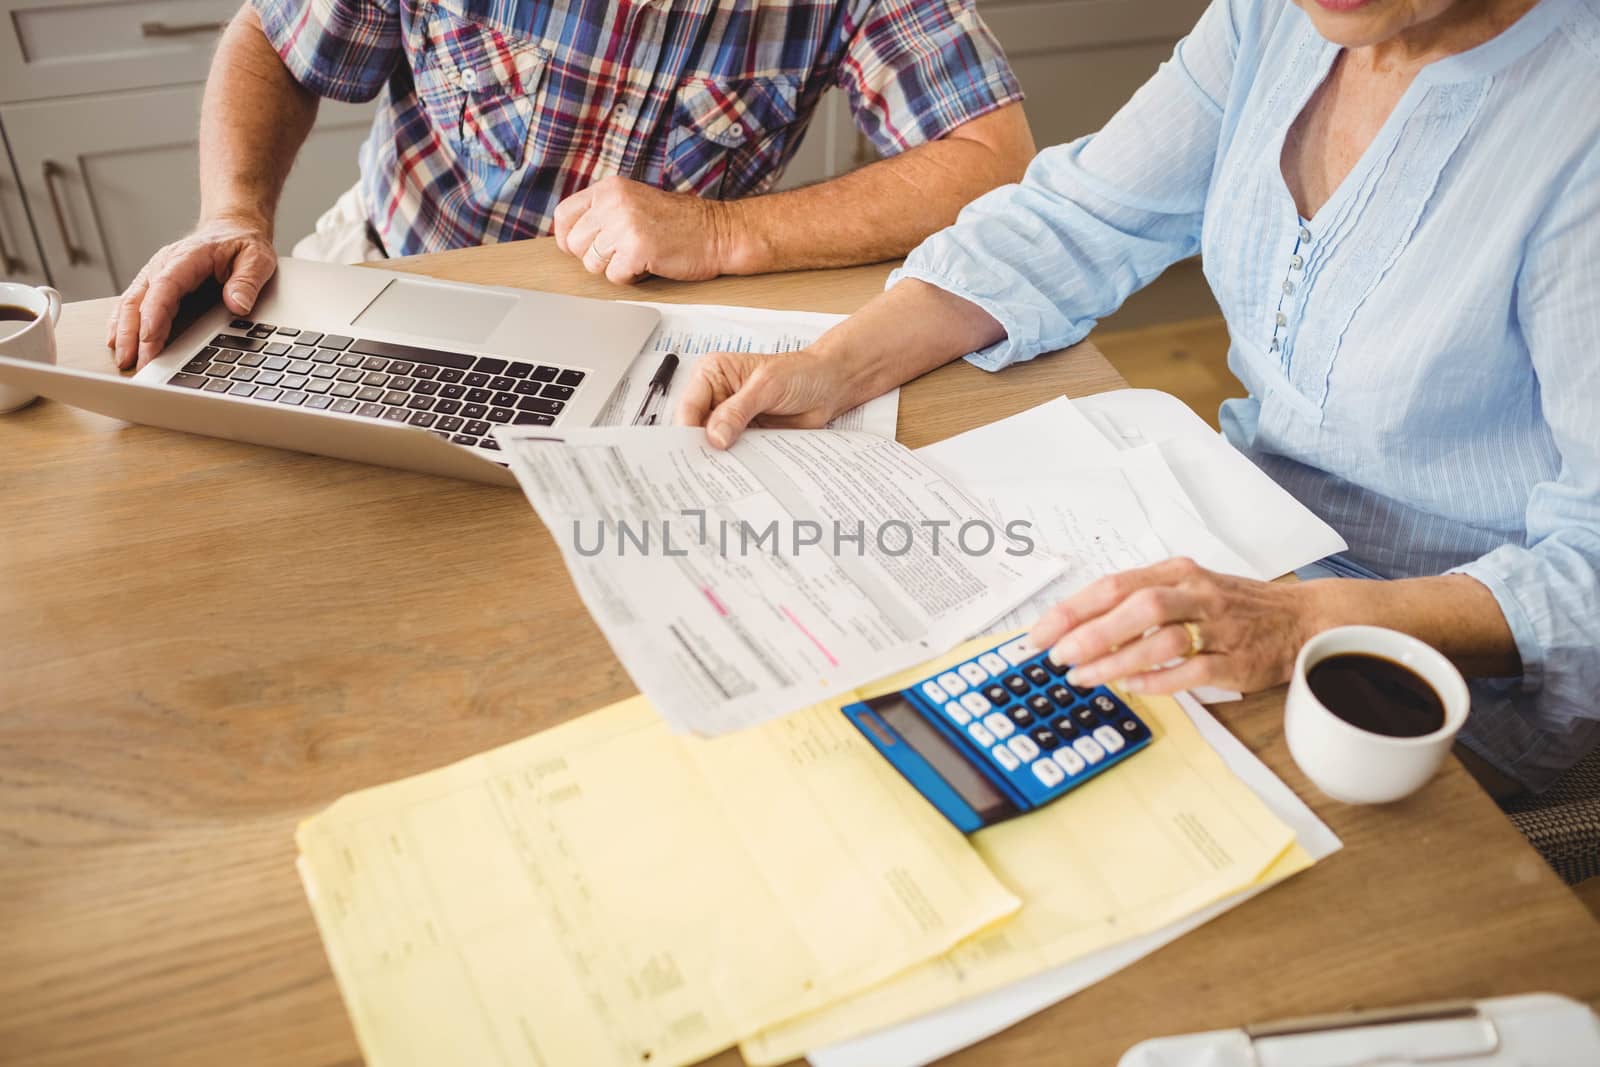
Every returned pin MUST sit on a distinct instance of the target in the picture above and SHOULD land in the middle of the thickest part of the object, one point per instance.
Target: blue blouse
(1422, 356)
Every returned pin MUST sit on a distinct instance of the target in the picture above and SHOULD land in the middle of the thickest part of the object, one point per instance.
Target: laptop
(376, 366)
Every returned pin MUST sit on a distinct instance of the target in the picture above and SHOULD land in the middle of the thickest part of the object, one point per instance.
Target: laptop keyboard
(453, 395)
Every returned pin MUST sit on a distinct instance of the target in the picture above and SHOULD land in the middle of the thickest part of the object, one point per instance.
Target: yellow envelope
(609, 893)
(1158, 838)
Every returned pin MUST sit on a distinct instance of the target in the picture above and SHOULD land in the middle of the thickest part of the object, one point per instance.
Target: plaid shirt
(496, 110)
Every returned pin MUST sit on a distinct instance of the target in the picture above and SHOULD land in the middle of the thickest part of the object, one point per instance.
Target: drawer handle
(53, 171)
(181, 29)
(10, 262)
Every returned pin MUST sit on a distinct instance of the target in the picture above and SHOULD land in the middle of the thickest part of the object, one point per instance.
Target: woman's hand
(731, 390)
(1124, 627)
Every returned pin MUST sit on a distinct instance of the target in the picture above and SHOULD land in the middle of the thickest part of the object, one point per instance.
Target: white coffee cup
(32, 340)
(1358, 766)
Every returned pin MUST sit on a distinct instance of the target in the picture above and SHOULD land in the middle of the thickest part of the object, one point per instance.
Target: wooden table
(202, 643)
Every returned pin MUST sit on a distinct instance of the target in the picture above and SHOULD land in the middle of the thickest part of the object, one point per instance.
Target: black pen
(657, 390)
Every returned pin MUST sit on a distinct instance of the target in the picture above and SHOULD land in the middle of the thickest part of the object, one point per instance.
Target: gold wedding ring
(594, 246)
(1197, 644)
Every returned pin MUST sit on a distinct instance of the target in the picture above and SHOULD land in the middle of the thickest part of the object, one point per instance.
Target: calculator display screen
(953, 767)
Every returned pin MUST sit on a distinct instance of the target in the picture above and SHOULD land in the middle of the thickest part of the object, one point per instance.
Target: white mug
(1358, 766)
(34, 340)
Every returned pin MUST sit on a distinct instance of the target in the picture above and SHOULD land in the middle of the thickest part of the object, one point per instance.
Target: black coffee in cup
(13, 313)
(1376, 694)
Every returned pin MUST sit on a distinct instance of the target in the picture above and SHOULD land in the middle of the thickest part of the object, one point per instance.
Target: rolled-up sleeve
(1097, 219)
(916, 69)
(1548, 587)
(340, 49)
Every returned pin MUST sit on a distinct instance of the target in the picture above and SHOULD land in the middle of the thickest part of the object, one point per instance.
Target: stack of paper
(1097, 483)
(737, 586)
(938, 1034)
(610, 893)
(1165, 835)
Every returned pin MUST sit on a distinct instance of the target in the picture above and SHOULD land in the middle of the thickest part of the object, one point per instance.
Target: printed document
(692, 330)
(1164, 835)
(606, 893)
(736, 586)
(1268, 529)
(1097, 528)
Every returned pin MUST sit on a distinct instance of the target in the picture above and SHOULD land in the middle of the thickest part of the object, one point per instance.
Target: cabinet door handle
(180, 29)
(10, 262)
(53, 171)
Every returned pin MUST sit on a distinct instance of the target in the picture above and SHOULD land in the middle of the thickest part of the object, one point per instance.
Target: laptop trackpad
(447, 312)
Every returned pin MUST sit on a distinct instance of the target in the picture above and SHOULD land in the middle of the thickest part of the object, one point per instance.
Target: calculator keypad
(992, 663)
(1014, 704)
(1015, 652)
(1069, 760)
(999, 725)
(1023, 748)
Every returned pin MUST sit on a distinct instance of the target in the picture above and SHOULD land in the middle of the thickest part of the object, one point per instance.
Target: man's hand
(625, 230)
(237, 253)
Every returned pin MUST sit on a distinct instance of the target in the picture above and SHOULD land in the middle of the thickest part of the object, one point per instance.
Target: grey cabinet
(111, 178)
(20, 258)
(99, 111)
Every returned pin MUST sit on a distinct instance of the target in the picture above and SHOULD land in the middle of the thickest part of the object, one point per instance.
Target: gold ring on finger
(1197, 643)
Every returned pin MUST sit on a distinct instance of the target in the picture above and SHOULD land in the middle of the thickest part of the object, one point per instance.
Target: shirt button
(1305, 234)
(1288, 287)
(1283, 320)
(737, 129)
(469, 77)
(1296, 262)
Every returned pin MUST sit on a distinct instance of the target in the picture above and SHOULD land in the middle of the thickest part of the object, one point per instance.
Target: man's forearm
(882, 210)
(253, 122)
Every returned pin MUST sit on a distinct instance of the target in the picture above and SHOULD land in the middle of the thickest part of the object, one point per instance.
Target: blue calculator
(999, 735)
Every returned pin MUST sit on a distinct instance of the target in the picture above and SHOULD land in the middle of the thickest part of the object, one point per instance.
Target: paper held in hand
(736, 586)
(690, 331)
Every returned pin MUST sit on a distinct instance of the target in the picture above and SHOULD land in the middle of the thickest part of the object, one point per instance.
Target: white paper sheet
(1049, 441)
(1249, 512)
(1173, 515)
(1055, 444)
(693, 330)
(737, 586)
(1097, 527)
(942, 1033)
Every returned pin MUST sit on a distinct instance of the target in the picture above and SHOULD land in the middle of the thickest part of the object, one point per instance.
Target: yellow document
(609, 893)
(1157, 838)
